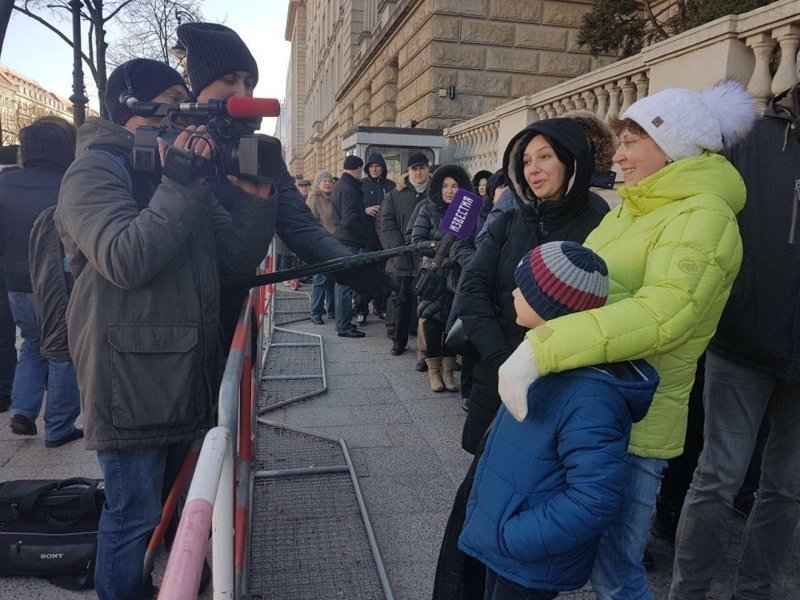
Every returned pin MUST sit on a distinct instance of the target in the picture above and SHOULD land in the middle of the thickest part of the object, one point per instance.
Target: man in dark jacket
(220, 65)
(392, 222)
(374, 186)
(350, 228)
(47, 147)
(753, 372)
(148, 254)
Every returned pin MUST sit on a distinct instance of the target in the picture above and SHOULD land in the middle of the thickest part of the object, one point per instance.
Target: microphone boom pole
(332, 266)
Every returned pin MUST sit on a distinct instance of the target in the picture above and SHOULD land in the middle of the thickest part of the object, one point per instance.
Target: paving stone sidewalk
(404, 441)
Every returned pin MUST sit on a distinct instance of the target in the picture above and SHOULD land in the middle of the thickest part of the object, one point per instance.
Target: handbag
(48, 528)
(457, 339)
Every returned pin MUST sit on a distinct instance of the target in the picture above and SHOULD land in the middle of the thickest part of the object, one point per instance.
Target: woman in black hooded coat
(519, 222)
(434, 312)
(486, 306)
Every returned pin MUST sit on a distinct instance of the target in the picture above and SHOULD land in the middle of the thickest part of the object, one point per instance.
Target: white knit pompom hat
(685, 123)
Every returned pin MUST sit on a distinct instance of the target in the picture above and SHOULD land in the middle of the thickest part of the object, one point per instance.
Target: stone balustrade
(758, 48)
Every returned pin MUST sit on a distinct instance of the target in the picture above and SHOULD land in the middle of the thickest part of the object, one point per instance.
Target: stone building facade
(23, 100)
(418, 63)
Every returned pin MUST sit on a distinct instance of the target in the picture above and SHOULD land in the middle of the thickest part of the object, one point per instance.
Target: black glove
(368, 280)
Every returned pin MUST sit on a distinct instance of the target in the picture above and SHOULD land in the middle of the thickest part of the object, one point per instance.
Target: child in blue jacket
(550, 481)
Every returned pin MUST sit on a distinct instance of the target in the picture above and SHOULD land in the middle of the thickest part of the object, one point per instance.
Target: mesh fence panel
(312, 544)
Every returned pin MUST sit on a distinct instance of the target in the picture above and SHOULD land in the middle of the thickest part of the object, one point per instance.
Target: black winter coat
(374, 192)
(349, 220)
(761, 322)
(392, 222)
(426, 228)
(26, 192)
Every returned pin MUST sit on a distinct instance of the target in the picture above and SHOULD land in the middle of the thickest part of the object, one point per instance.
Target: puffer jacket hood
(684, 179)
(569, 134)
(437, 181)
(46, 145)
(375, 159)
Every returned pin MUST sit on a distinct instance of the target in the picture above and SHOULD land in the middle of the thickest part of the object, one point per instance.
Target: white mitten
(515, 376)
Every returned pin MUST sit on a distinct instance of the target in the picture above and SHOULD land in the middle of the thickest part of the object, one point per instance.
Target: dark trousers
(498, 588)
(678, 475)
(458, 575)
(469, 360)
(8, 350)
(434, 339)
(403, 304)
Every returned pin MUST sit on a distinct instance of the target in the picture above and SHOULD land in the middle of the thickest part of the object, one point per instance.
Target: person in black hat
(220, 65)
(350, 228)
(143, 323)
(392, 222)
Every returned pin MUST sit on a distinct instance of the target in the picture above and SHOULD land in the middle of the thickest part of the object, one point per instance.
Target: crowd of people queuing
(584, 335)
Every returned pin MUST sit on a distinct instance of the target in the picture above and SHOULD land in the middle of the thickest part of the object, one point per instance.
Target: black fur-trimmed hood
(437, 180)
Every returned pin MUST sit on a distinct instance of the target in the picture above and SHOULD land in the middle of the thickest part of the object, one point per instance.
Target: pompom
(733, 107)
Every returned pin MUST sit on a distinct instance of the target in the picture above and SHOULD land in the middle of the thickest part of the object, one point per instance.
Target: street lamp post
(78, 98)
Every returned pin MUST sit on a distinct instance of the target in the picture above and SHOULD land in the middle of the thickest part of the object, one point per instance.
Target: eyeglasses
(628, 143)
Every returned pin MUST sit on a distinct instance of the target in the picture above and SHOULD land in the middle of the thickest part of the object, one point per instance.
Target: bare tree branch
(52, 28)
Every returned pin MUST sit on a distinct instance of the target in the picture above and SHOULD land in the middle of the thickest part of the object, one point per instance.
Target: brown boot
(435, 374)
(449, 380)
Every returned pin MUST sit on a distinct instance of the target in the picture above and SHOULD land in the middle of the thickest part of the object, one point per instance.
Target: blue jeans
(322, 298)
(8, 349)
(736, 398)
(498, 588)
(344, 304)
(35, 373)
(137, 480)
(618, 573)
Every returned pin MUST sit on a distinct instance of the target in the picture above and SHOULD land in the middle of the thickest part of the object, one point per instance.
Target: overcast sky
(35, 51)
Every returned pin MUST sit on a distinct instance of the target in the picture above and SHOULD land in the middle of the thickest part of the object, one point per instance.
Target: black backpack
(51, 280)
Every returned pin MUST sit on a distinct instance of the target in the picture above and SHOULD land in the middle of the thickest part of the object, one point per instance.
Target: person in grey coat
(148, 255)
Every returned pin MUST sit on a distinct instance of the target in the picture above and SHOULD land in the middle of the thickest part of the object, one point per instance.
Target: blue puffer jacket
(547, 488)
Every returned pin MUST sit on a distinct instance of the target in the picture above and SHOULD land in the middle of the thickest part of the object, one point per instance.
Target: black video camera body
(238, 150)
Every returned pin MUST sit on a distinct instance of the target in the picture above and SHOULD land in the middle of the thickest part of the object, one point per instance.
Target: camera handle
(334, 265)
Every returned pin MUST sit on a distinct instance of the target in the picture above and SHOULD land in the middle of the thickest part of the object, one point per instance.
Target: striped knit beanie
(559, 278)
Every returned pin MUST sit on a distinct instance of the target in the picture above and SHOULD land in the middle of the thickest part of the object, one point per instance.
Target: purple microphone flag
(462, 214)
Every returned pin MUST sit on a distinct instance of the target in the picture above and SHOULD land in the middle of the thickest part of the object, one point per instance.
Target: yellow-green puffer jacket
(673, 250)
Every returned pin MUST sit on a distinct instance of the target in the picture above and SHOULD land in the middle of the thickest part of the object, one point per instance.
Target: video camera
(230, 123)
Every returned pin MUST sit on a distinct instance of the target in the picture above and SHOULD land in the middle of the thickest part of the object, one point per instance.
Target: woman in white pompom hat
(673, 250)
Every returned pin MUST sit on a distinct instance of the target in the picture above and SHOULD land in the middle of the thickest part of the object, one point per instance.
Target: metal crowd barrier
(220, 494)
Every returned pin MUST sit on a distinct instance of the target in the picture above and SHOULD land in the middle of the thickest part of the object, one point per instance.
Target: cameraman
(148, 254)
(220, 65)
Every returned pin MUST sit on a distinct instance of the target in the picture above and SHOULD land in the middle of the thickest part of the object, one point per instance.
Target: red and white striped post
(208, 506)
